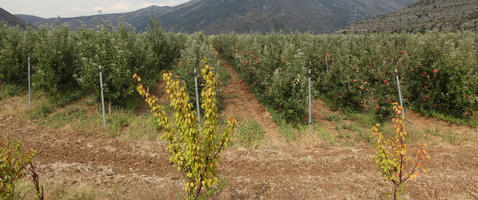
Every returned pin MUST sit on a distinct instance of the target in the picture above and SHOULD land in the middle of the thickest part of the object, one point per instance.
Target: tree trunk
(395, 191)
(109, 107)
(198, 191)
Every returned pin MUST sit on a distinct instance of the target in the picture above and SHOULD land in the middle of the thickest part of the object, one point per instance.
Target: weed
(82, 192)
(42, 111)
(214, 190)
(333, 117)
(250, 133)
(224, 75)
(349, 126)
(144, 126)
(234, 96)
(365, 137)
(452, 137)
(325, 135)
(365, 119)
(68, 115)
(344, 135)
(9, 91)
(289, 132)
(471, 121)
(117, 121)
(434, 132)
(132, 103)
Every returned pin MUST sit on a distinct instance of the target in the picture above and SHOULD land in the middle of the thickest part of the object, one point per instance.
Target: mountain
(424, 15)
(139, 18)
(10, 19)
(243, 16)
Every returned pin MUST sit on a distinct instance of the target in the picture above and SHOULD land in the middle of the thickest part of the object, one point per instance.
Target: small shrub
(13, 164)
(392, 155)
(194, 148)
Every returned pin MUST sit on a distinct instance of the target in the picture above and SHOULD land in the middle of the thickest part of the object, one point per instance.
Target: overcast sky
(73, 8)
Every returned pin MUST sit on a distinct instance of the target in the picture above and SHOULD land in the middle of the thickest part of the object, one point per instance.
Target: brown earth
(240, 104)
(125, 169)
(138, 170)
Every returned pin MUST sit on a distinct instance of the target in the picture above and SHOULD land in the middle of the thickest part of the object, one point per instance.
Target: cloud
(147, 4)
(99, 8)
(73, 8)
(121, 7)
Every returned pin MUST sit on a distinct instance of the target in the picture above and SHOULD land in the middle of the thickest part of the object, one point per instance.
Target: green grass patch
(452, 138)
(65, 116)
(224, 76)
(210, 192)
(133, 102)
(250, 133)
(144, 127)
(65, 98)
(364, 119)
(333, 117)
(365, 137)
(10, 91)
(471, 121)
(449, 137)
(326, 136)
(42, 111)
(118, 120)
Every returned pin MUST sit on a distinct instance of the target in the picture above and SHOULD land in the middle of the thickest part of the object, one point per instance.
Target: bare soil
(125, 169)
(240, 104)
(138, 170)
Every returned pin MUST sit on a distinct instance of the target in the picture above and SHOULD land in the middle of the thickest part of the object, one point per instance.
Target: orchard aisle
(241, 104)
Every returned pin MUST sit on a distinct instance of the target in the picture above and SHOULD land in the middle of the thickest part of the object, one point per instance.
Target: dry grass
(83, 116)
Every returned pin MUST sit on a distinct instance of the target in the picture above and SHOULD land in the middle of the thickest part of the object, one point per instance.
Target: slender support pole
(327, 63)
(399, 92)
(310, 99)
(197, 95)
(29, 84)
(102, 96)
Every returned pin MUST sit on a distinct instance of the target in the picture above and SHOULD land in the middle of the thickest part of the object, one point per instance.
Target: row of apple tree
(65, 63)
(438, 71)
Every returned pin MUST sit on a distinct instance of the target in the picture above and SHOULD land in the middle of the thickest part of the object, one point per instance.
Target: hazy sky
(72, 8)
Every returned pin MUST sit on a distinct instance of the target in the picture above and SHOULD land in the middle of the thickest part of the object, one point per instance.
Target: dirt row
(133, 170)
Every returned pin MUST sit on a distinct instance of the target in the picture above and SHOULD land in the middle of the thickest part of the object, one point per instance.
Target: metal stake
(310, 100)
(29, 84)
(399, 92)
(327, 63)
(102, 96)
(197, 95)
